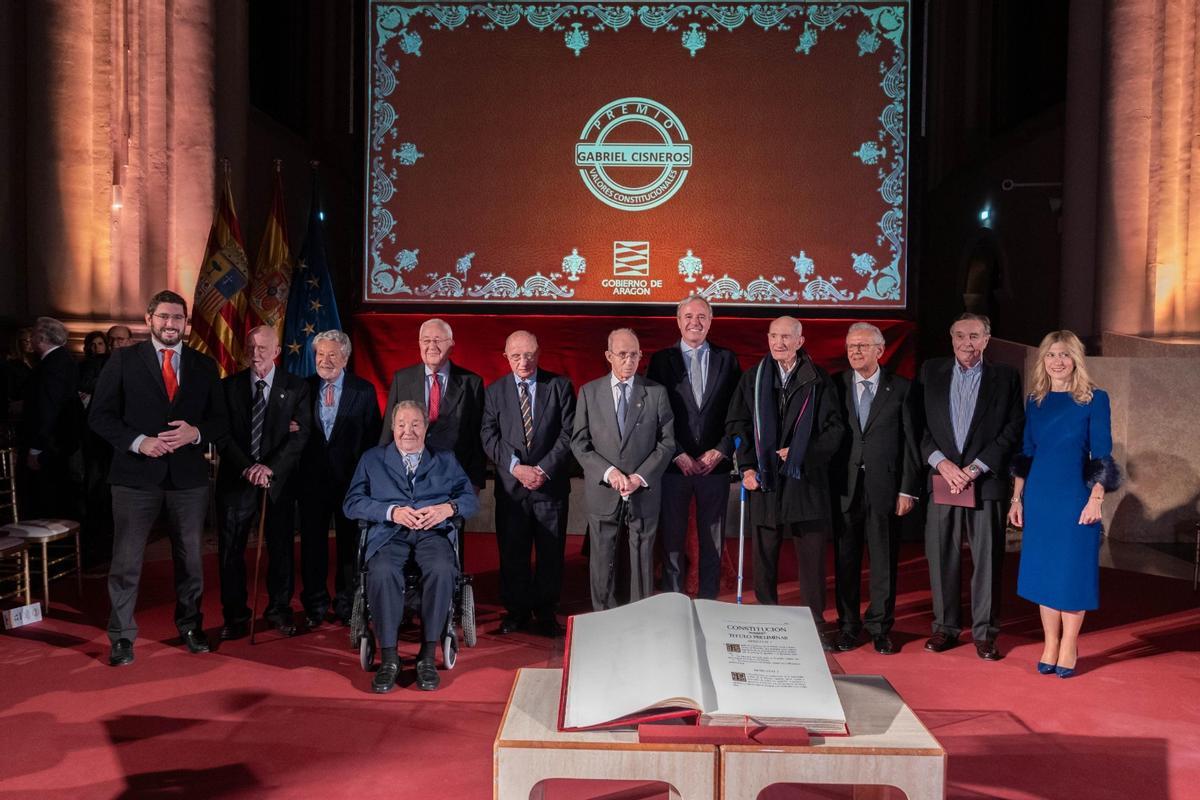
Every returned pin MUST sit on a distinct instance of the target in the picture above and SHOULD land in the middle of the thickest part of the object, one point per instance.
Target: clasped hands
(531, 478)
(624, 484)
(258, 475)
(179, 434)
(422, 519)
(698, 466)
(958, 478)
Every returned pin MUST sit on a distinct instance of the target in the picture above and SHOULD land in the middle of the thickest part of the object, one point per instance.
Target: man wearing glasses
(158, 403)
(451, 395)
(624, 439)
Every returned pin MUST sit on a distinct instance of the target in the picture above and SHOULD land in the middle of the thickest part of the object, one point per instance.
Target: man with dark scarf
(785, 414)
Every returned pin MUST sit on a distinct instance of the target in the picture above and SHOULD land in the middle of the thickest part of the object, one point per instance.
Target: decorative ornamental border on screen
(392, 268)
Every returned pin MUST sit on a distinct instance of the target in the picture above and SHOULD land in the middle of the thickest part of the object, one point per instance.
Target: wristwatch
(453, 508)
(973, 470)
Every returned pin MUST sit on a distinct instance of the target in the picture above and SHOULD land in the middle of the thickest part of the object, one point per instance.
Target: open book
(669, 657)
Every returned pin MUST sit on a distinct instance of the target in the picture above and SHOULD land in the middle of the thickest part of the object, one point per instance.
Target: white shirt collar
(873, 380)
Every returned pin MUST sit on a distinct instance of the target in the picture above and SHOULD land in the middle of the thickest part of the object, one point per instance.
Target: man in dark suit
(527, 423)
(259, 453)
(699, 378)
(409, 494)
(346, 423)
(974, 419)
(624, 438)
(158, 403)
(52, 425)
(876, 479)
(785, 412)
(454, 401)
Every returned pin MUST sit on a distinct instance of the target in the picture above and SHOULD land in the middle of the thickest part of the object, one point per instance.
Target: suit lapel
(986, 386)
(540, 402)
(637, 402)
(882, 395)
(850, 395)
(149, 356)
(349, 395)
(393, 462)
(682, 382)
(940, 411)
(453, 393)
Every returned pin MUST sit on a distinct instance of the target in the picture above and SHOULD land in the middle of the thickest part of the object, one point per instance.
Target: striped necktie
(257, 415)
(526, 415)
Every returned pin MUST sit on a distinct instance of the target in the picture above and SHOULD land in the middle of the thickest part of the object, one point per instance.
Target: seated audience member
(408, 493)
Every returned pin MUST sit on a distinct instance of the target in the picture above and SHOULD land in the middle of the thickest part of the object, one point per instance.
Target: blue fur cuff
(1019, 468)
(1103, 471)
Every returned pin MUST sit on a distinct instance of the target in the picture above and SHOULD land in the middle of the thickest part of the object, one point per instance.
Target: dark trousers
(525, 527)
(602, 561)
(53, 489)
(97, 500)
(809, 540)
(712, 505)
(984, 527)
(316, 509)
(435, 558)
(237, 514)
(134, 511)
(879, 530)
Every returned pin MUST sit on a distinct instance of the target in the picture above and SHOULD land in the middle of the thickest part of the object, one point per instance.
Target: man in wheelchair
(409, 493)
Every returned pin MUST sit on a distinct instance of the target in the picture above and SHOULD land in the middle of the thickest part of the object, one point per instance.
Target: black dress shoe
(884, 645)
(427, 675)
(940, 642)
(511, 624)
(548, 628)
(233, 630)
(196, 641)
(986, 649)
(121, 653)
(284, 625)
(846, 641)
(385, 677)
(314, 620)
(828, 642)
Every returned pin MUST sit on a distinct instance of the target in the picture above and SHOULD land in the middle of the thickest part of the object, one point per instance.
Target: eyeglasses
(169, 317)
(854, 348)
(437, 342)
(625, 356)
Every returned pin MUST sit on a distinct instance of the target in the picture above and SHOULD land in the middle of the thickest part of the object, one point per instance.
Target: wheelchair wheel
(449, 651)
(358, 618)
(366, 651)
(468, 615)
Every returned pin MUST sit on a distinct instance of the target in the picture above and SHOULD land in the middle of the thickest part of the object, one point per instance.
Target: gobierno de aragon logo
(633, 154)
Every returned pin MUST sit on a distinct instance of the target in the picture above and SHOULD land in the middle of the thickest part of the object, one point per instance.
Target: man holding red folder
(973, 423)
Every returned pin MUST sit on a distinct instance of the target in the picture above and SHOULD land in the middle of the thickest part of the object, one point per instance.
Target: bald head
(521, 351)
(262, 348)
(785, 337)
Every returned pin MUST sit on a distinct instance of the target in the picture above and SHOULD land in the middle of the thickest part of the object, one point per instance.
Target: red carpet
(296, 718)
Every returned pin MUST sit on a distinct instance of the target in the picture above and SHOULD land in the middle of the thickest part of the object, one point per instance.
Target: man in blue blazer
(700, 379)
(409, 493)
(346, 423)
(527, 421)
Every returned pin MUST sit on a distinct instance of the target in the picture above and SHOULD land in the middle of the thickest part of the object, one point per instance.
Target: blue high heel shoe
(1046, 669)
(1064, 672)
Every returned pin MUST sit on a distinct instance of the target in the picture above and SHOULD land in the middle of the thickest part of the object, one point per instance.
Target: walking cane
(262, 521)
(737, 443)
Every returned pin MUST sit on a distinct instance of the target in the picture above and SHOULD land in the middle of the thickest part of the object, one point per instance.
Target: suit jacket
(459, 415)
(698, 429)
(553, 422)
(646, 449)
(356, 428)
(280, 449)
(52, 415)
(996, 426)
(790, 500)
(381, 481)
(131, 400)
(883, 454)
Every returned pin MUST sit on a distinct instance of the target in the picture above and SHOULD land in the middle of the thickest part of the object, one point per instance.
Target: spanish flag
(272, 273)
(219, 305)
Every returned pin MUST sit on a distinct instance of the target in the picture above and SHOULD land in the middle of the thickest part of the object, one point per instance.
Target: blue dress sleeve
(1022, 461)
(1101, 469)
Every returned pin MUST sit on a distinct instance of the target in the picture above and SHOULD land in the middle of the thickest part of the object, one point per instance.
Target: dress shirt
(689, 360)
(858, 391)
(531, 382)
(443, 377)
(328, 414)
(403, 457)
(964, 392)
(616, 396)
(177, 362)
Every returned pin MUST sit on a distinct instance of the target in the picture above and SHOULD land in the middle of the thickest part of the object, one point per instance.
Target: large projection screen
(566, 155)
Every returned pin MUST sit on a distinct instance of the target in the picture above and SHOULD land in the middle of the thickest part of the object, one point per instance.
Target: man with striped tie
(527, 421)
(259, 452)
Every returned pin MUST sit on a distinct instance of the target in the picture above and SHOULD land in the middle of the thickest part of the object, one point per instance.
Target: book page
(766, 662)
(631, 658)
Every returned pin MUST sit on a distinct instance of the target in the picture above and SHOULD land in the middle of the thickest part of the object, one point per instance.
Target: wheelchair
(462, 607)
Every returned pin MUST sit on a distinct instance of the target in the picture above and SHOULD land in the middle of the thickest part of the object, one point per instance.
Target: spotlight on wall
(321, 216)
(985, 217)
(118, 197)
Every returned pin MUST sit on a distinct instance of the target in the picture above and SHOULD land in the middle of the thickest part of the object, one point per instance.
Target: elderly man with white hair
(52, 425)
(451, 395)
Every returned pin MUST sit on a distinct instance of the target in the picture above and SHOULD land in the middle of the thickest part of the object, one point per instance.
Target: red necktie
(329, 394)
(435, 398)
(172, 383)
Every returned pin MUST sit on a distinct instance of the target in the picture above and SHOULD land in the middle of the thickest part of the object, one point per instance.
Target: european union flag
(311, 304)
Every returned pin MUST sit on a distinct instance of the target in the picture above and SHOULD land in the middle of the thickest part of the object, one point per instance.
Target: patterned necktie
(411, 461)
(257, 415)
(168, 368)
(526, 415)
(435, 397)
(622, 407)
(329, 394)
(697, 377)
(864, 403)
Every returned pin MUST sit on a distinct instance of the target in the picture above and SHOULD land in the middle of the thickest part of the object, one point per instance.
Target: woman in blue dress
(1061, 476)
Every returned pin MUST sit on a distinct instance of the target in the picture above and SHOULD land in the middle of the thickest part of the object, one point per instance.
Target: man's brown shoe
(940, 642)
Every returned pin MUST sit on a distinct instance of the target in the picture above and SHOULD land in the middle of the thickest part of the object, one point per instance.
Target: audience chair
(40, 534)
(17, 573)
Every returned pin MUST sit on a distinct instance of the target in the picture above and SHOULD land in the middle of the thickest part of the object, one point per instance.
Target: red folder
(944, 497)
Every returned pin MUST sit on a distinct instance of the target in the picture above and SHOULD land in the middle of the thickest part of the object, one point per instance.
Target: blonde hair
(1081, 385)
